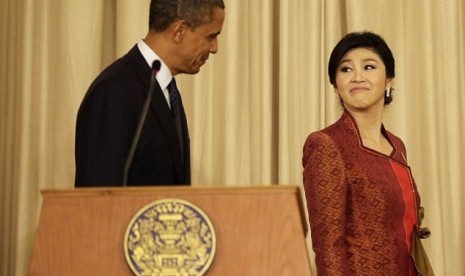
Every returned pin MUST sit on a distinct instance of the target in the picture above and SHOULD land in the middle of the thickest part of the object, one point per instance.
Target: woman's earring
(388, 95)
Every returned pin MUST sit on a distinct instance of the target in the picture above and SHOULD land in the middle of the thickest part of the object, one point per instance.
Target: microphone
(155, 68)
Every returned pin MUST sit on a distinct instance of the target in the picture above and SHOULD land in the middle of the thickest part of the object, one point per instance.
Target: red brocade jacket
(362, 204)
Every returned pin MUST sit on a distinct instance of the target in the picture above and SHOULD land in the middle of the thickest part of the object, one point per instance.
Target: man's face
(197, 44)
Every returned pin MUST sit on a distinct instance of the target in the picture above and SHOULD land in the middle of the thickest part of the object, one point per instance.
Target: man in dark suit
(182, 34)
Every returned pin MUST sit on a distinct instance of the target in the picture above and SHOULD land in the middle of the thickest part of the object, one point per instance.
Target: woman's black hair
(367, 40)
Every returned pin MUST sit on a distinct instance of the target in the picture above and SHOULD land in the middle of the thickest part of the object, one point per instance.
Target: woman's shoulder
(319, 137)
(338, 133)
(320, 141)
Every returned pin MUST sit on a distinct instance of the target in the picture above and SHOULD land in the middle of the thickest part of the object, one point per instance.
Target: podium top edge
(167, 190)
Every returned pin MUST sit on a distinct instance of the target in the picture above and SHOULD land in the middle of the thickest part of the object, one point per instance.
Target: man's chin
(193, 71)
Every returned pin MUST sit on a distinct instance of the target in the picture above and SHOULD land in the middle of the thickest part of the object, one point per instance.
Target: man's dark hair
(195, 12)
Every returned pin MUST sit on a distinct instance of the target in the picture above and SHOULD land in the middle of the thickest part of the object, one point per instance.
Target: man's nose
(214, 46)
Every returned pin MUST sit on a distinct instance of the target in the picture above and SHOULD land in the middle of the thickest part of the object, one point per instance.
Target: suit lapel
(160, 109)
(164, 115)
(186, 141)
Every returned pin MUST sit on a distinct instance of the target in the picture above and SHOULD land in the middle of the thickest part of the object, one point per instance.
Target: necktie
(175, 102)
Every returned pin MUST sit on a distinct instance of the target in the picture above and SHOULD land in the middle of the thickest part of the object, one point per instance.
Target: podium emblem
(170, 237)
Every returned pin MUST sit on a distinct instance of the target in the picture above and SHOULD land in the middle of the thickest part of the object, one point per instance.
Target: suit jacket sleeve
(325, 184)
(105, 127)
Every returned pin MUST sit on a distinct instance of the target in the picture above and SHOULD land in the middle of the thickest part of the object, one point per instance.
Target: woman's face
(361, 80)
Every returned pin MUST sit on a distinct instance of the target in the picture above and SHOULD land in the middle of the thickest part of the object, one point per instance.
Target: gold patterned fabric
(355, 203)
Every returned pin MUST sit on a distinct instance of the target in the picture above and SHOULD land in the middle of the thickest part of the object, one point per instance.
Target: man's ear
(179, 29)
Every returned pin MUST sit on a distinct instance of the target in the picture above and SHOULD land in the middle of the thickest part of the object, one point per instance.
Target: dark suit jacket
(106, 124)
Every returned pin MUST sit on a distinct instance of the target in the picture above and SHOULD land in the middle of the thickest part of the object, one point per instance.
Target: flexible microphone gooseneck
(155, 68)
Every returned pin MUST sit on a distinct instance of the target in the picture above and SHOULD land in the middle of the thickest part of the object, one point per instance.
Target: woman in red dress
(362, 199)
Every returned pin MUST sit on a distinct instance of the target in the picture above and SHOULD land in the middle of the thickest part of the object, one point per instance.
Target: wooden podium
(259, 230)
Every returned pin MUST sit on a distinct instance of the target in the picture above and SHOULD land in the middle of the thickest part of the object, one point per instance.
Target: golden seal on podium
(170, 237)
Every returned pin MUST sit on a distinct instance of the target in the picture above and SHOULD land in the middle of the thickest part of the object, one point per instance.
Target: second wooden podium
(259, 230)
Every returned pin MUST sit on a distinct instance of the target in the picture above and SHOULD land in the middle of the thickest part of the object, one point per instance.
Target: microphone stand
(155, 68)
